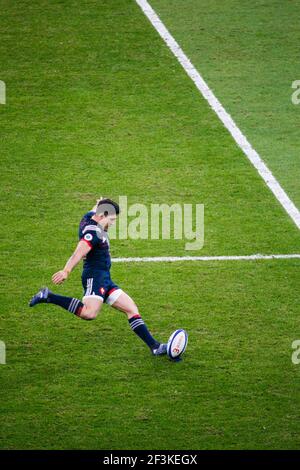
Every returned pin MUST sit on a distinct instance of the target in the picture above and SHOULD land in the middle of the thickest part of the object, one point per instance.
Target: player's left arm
(81, 251)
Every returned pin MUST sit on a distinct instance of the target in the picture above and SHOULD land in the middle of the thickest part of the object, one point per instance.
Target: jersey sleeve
(91, 235)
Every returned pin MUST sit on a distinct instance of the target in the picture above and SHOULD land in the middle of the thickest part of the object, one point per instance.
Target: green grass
(75, 384)
(96, 104)
(246, 52)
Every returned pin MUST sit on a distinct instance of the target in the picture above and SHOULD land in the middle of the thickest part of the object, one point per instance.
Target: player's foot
(160, 350)
(40, 297)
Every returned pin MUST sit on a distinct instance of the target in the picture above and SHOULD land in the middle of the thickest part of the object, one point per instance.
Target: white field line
(203, 258)
(226, 119)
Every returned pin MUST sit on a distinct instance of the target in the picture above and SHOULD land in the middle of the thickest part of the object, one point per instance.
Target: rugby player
(93, 249)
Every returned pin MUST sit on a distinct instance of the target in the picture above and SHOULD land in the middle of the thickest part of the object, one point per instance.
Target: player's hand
(59, 277)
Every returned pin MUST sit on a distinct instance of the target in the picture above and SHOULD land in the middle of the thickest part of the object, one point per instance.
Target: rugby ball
(177, 344)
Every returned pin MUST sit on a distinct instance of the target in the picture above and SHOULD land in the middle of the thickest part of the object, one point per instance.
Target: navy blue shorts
(98, 284)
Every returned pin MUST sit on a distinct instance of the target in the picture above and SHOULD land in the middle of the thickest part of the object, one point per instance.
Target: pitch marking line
(204, 258)
(227, 120)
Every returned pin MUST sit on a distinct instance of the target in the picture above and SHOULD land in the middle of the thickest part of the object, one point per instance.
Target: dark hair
(107, 207)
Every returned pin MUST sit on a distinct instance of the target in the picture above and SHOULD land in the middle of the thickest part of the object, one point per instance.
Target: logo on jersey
(102, 290)
(88, 237)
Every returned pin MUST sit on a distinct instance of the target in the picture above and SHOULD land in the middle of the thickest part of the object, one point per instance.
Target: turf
(75, 384)
(246, 53)
(97, 105)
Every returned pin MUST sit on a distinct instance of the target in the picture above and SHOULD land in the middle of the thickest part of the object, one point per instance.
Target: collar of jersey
(97, 223)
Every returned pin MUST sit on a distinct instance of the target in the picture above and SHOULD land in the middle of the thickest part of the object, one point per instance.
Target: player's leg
(124, 303)
(91, 303)
(121, 301)
(44, 295)
(87, 310)
(91, 307)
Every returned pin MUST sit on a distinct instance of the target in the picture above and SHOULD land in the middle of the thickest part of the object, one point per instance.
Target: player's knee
(88, 314)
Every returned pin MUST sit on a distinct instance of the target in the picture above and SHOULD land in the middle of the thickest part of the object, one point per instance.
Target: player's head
(107, 212)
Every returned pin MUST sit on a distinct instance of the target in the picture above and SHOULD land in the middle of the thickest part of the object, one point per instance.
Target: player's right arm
(81, 251)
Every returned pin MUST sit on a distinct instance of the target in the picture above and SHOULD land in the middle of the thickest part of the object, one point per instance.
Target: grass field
(247, 55)
(97, 105)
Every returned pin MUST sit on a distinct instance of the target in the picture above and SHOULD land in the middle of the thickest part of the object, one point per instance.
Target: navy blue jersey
(98, 258)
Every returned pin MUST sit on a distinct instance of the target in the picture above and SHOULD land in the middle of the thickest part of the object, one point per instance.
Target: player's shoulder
(90, 225)
(92, 228)
(88, 215)
(86, 219)
(87, 223)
